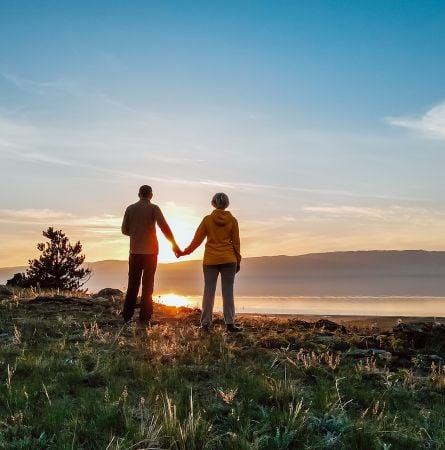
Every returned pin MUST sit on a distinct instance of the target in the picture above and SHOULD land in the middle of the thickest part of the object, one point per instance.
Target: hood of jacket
(221, 217)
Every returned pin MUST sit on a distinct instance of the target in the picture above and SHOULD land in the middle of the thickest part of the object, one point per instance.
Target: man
(139, 223)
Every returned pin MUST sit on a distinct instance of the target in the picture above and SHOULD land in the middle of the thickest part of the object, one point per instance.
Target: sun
(174, 300)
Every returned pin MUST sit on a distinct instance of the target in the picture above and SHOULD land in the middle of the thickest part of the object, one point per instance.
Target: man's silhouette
(139, 223)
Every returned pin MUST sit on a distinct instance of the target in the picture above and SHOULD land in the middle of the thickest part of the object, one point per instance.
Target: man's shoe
(233, 328)
(205, 328)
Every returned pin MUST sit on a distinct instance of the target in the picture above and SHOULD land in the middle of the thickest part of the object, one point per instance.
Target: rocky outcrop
(328, 325)
(418, 335)
(5, 292)
(109, 293)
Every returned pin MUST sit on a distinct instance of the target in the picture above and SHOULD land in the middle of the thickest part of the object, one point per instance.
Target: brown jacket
(223, 241)
(139, 223)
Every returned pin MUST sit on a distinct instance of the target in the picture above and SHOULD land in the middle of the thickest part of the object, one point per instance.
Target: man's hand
(176, 250)
(238, 267)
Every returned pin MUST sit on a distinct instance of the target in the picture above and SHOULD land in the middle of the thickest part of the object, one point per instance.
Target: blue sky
(323, 120)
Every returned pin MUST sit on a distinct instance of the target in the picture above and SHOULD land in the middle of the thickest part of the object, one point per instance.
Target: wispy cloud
(30, 214)
(20, 141)
(39, 87)
(430, 124)
(22, 228)
(347, 211)
(394, 213)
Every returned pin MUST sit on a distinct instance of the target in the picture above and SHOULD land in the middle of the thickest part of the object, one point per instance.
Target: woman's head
(220, 201)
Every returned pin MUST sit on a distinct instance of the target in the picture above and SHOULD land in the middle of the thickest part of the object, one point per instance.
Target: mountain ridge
(361, 272)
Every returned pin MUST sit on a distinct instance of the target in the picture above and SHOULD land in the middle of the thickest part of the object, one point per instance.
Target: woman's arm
(199, 237)
(236, 241)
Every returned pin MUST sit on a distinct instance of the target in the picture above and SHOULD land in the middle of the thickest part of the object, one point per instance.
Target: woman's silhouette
(222, 256)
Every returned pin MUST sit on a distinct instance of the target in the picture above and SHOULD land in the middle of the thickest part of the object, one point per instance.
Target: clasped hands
(178, 252)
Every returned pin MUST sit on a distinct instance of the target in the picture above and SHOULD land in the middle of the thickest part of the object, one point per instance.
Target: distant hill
(367, 273)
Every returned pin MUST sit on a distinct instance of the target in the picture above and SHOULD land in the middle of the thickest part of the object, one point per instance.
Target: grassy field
(73, 377)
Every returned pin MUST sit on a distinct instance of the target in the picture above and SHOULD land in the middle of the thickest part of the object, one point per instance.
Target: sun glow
(183, 232)
(174, 300)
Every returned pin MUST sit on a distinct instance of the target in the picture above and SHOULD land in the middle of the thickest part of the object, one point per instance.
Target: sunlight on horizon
(175, 300)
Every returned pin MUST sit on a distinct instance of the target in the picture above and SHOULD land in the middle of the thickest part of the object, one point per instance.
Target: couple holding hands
(222, 256)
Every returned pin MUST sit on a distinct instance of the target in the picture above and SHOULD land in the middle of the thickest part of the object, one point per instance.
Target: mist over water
(350, 306)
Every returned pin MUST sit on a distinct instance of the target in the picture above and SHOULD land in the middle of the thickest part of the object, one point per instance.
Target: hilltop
(76, 377)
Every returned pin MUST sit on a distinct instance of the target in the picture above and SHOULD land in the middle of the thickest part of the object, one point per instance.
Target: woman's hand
(186, 251)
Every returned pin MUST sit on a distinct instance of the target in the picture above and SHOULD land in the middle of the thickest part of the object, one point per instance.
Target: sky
(324, 122)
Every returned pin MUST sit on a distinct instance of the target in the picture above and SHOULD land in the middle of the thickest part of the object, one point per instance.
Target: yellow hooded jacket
(223, 242)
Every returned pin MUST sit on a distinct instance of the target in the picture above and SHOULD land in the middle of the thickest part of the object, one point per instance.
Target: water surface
(353, 306)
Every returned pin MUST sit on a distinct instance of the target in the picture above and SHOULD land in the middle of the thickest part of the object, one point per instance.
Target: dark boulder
(5, 292)
(328, 325)
(421, 335)
(109, 293)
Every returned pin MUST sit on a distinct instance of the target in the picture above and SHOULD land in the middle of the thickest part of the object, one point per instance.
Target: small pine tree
(58, 267)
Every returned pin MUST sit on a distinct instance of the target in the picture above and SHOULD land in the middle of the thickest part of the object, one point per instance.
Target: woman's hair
(220, 200)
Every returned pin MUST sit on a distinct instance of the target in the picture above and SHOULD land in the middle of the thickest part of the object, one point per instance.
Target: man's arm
(126, 224)
(163, 225)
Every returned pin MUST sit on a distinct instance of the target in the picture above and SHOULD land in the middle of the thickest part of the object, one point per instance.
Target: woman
(222, 256)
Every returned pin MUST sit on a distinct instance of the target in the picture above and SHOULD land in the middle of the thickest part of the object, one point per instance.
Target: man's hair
(145, 191)
(220, 200)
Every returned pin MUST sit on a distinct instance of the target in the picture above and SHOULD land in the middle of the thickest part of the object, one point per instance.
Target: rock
(52, 298)
(325, 339)
(425, 361)
(5, 338)
(359, 353)
(5, 292)
(101, 300)
(60, 299)
(382, 354)
(421, 335)
(413, 327)
(109, 293)
(328, 325)
(368, 352)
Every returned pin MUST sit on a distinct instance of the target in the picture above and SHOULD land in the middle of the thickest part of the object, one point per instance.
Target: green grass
(71, 377)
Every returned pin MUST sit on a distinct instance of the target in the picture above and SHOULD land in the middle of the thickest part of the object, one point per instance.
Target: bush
(58, 267)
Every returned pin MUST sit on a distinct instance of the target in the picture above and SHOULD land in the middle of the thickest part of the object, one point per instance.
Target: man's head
(220, 200)
(145, 191)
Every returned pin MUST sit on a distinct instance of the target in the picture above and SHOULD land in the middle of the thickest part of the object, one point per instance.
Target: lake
(351, 306)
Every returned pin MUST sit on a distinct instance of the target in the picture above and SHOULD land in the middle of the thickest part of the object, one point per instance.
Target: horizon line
(264, 256)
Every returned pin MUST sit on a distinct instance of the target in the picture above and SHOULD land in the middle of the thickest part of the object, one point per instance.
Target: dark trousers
(211, 273)
(140, 266)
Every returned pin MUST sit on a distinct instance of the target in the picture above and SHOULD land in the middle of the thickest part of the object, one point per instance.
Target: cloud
(20, 229)
(347, 211)
(39, 87)
(431, 124)
(394, 213)
(30, 216)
